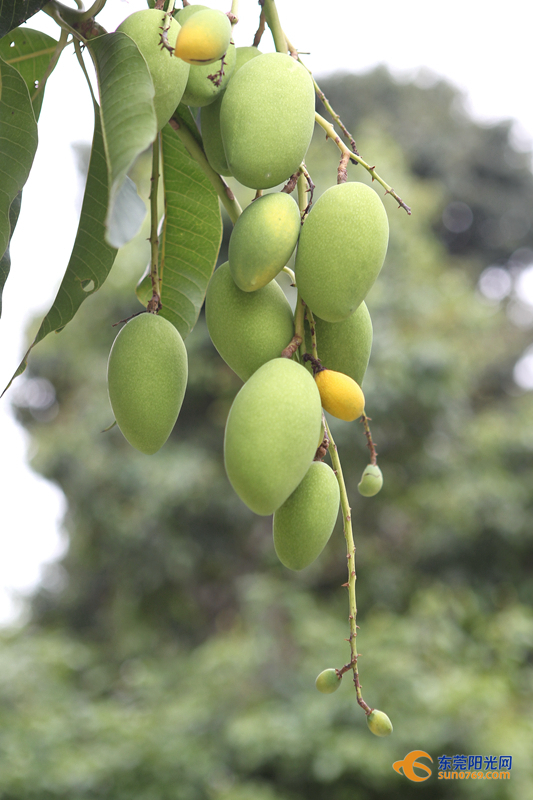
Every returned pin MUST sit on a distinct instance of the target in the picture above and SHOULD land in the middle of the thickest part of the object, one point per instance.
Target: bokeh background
(167, 653)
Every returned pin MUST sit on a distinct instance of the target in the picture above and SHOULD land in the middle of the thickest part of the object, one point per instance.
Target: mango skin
(210, 117)
(247, 329)
(341, 396)
(169, 74)
(146, 380)
(263, 240)
(271, 434)
(379, 723)
(303, 524)
(371, 481)
(341, 250)
(204, 36)
(267, 119)
(200, 90)
(344, 346)
(328, 681)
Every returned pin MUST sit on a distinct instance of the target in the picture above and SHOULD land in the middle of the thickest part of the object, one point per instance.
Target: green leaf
(29, 51)
(128, 126)
(191, 235)
(18, 143)
(5, 261)
(91, 258)
(14, 12)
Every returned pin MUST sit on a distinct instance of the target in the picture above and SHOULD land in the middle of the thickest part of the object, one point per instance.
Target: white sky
(483, 47)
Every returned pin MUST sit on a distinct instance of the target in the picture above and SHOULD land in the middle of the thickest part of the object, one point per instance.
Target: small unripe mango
(304, 523)
(203, 90)
(344, 346)
(204, 36)
(379, 723)
(247, 329)
(169, 75)
(146, 380)
(263, 240)
(267, 119)
(271, 434)
(371, 481)
(328, 681)
(210, 117)
(341, 250)
(340, 394)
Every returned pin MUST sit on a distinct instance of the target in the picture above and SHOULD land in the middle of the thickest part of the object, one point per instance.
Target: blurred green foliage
(170, 655)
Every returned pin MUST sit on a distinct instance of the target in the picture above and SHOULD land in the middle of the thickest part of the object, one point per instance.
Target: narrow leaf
(91, 258)
(5, 261)
(29, 52)
(18, 143)
(191, 236)
(14, 12)
(128, 126)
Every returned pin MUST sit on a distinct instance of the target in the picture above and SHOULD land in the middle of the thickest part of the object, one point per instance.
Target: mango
(247, 329)
(341, 396)
(379, 723)
(204, 36)
(341, 250)
(210, 117)
(303, 524)
(328, 681)
(344, 346)
(201, 90)
(266, 120)
(169, 74)
(263, 240)
(271, 434)
(146, 380)
(371, 481)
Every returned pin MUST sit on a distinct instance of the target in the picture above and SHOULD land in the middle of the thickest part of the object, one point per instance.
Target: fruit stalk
(154, 305)
(350, 557)
(271, 15)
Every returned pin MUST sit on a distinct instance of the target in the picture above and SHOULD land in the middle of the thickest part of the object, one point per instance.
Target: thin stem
(195, 150)
(234, 13)
(62, 43)
(370, 442)
(350, 557)
(299, 329)
(154, 305)
(312, 328)
(271, 15)
(332, 134)
(291, 275)
(79, 56)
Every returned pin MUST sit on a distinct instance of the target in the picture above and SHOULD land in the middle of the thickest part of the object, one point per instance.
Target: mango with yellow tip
(341, 396)
(304, 523)
(271, 434)
(146, 380)
(263, 240)
(204, 37)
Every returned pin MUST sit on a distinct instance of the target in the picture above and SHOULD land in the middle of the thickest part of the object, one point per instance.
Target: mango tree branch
(271, 15)
(332, 134)
(195, 150)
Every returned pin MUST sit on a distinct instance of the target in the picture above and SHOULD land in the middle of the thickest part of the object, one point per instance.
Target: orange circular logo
(408, 764)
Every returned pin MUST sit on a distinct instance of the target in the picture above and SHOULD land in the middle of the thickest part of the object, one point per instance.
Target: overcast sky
(483, 48)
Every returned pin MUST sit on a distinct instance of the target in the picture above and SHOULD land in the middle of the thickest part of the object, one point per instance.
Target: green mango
(210, 117)
(303, 524)
(201, 90)
(344, 346)
(247, 329)
(267, 119)
(379, 723)
(146, 380)
(328, 681)
(371, 481)
(341, 250)
(271, 434)
(169, 74)
(263, 240)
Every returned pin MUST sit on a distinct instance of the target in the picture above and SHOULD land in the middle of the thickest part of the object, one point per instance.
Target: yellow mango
(341, 250)
(341, 396)
(146, 380)
(267, 119)
(263, 240)
(169, 74)
(247, 329)
(304, 523)
(210, 117)
(204, 36)
(344, 346)
(271, 434)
